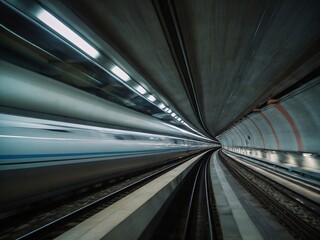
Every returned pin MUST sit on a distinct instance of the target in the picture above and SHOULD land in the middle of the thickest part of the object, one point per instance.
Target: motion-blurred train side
(42, 158)
(55, 138)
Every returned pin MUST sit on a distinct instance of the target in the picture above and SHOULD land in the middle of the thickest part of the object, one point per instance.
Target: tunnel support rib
(170, 25)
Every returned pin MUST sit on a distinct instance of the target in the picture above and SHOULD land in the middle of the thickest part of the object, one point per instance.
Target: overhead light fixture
(152, 98)
(169, 110)
(55, 24)
(173, 114)
(161, 106)
(120, 73)
(141, 90)
(307, 154)
(179, 119)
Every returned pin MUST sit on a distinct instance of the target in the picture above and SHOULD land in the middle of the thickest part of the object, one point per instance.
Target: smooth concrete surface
(241, 215)
(291, 124)
(234, 220)
(127, 218)
(239, 52)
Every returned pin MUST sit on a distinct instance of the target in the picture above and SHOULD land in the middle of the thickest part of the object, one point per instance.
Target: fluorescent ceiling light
(179, 119)
(173, 114)
(307, 154)
(141, 90)
(151, 98)
(169, 110)
(120, 73)
(67, 33)
(162, 106)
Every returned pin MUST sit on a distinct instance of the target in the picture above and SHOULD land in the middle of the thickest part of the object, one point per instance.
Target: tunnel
(95, 93)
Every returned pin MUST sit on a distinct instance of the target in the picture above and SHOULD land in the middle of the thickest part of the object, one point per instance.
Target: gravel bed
(288, 203)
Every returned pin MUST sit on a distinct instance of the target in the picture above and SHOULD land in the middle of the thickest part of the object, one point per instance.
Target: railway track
(52, 226)
(297, 216)
(199, 222)
(192, 213)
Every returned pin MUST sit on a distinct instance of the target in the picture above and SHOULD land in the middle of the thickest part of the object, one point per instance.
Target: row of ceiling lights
(125, 77)
(55, 24)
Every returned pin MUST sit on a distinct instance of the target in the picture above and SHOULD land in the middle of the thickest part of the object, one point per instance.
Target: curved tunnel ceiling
(214, 61)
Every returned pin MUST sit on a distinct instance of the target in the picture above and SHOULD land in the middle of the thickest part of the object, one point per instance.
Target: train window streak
(58, 130)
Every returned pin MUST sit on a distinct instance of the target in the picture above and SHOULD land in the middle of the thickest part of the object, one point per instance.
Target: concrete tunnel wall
(292, 124)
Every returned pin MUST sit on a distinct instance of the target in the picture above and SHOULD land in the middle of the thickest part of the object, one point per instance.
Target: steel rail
(292, 221)
(68, 217)
(196, 189)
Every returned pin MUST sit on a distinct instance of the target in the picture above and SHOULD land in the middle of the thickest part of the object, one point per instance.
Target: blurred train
(42, 157)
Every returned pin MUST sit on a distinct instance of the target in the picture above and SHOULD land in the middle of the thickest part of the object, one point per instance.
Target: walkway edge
(127, 218)
(239, 225)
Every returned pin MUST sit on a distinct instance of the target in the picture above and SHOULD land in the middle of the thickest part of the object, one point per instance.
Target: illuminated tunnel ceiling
(214, 61)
